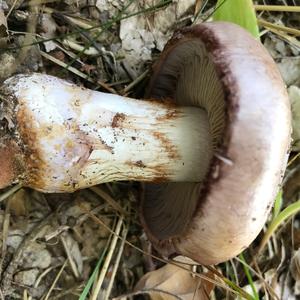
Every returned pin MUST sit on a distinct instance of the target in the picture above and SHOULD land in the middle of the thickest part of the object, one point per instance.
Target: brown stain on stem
(32, 155)
(117, 120)
(167, 144)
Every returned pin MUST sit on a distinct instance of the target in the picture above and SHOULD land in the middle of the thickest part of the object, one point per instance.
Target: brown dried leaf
(72, 248)
(171, 282)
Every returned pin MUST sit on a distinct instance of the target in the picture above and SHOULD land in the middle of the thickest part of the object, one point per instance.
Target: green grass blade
(249, 277)
(92, 277)
(277, 205)
(240, 12)
(277, 221)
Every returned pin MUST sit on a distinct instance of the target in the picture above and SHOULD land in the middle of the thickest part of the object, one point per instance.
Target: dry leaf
(171, 282)
(142, 33)
(289, 68)
(74, 251)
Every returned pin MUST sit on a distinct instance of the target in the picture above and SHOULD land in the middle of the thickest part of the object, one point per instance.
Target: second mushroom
(212, 140)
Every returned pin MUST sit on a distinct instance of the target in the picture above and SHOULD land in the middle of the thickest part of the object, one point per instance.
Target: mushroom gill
(187, 76)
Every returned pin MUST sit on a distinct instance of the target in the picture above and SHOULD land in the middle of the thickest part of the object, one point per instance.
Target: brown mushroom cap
(223, 69)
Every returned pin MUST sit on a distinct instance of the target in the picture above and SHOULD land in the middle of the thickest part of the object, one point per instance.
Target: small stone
(27, 277)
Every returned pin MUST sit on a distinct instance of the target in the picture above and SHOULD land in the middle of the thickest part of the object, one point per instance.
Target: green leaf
(288, 212)
(240, 12)
(277, 204)
(249, 277)
(92, 278)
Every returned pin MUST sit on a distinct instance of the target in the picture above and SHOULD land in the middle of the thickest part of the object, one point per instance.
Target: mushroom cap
(216, 219)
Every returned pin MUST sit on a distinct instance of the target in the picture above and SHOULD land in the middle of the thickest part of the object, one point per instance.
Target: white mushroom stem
(79, 137)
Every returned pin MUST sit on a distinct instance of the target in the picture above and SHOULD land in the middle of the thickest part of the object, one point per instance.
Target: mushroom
(211, 144)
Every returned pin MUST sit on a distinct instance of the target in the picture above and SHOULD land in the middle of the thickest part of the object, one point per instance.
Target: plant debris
(90, 244)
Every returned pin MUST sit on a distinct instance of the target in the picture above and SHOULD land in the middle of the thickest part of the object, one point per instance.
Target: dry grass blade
(290, 162)
(11, 8)
(284, 8)
(25, 294)
(42, 275)
(286, 29)
(55, 280)
(5, 231)
(10, 192)
(76, 72)
(135, 82)
(81, 23)
(198, 6)
(107, 259)
(233, 288)
(70, 257)
(280, 219)
(91, 51)
(116, 265)
(289, 39)
(115, 205)
(270, 289)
